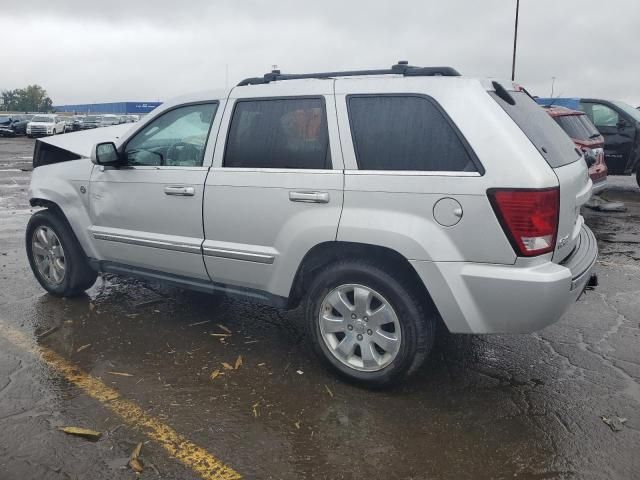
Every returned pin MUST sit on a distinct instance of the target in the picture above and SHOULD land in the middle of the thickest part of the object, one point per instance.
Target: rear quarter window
(406, 132)
(546, 135)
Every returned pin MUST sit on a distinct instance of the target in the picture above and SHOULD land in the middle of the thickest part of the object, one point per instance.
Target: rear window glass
(577, 126)
(405, 133)
(545, 134)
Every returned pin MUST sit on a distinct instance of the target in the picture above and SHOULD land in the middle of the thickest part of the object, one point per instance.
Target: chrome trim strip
(331, 171)
(413, 173)
(143, 242)
(236, 255)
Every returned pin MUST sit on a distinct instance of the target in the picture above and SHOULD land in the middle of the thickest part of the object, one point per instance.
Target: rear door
(618, 132)
(275, 190)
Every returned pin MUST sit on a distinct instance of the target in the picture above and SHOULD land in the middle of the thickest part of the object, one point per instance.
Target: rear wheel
(56, 258)
(367, 324)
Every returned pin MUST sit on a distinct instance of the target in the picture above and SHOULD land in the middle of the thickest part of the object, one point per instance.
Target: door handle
(309, 197)
(179, 190)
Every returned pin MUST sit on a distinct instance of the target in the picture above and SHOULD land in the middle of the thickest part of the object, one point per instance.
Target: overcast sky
(117, 50)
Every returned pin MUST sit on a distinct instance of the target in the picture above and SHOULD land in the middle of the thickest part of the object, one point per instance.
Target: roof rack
(401, 68)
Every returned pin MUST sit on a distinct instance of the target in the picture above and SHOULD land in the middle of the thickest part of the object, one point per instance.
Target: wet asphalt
(523, 406)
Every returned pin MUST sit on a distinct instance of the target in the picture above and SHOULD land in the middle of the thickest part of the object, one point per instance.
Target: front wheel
(368, 324)
(56, 258)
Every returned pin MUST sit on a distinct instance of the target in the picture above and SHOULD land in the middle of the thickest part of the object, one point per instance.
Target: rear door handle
(179, 190)
(309, 197)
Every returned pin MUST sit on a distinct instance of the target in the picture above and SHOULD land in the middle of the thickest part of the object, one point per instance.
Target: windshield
(576, 126)
(40, 118)
(629, 110)
(91, 119)
(5, 119)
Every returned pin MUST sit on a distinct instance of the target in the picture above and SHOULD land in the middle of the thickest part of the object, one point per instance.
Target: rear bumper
(489, 298)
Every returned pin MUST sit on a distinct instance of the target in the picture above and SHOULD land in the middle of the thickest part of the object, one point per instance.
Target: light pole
(515, 42)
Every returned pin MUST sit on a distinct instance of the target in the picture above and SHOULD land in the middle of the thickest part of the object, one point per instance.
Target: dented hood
(72, 146)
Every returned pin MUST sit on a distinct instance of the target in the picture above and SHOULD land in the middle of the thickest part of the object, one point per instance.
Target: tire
(77, 275)
(413, 326)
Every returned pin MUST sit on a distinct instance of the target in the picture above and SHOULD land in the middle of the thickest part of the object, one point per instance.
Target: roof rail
(400, 68)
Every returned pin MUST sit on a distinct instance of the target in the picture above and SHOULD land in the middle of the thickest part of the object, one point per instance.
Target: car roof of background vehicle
(558, 111)
(572, 103)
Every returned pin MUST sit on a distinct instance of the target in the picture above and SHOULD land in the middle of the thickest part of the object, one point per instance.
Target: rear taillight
(528, 217)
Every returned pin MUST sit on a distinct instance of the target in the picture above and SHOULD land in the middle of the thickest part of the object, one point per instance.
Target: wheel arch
(326, 253)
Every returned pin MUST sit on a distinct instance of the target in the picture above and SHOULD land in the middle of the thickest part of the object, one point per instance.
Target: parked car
(91, 121)
(585, 135)
(44, 125)
(68, 123)
(360, 195)
(13, 124)
(619, 124)
(76, 123)
(109, 120)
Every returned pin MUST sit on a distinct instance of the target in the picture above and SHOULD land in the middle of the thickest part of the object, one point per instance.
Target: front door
(148, 213)
(618, 132)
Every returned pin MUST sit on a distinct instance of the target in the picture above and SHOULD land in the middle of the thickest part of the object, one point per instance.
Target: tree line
(32, 98)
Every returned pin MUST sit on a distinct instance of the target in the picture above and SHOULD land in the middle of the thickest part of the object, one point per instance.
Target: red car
(584, 134)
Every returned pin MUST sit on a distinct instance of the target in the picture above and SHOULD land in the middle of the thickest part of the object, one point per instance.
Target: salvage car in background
(109, 120)
(13, 124)
(91, 121)
(357, 194)
(587, 138)
(619, 124)
(44, 125)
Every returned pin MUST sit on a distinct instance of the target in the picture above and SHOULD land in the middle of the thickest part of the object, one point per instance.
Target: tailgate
(575, 191)
(561, 155)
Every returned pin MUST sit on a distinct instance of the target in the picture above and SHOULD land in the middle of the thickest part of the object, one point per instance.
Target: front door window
(176, 138)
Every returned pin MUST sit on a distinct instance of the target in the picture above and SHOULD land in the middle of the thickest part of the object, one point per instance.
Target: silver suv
(380, 200)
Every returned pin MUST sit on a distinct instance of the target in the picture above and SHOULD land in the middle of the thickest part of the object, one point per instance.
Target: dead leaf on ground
(135, 462)
(220, 334)
(121, 374)
(255, 409)
(215, 374)
(227, 366)
(328, 390)
(238, 362)
(92, 306)
(615, 423)
(82, 432)
(222, 327)
(297, 424)
(83, 347)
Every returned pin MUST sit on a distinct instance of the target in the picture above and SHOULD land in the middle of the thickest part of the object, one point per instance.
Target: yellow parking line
(178, 447)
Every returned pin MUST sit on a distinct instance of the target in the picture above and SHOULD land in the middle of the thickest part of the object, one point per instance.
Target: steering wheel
(182, 153)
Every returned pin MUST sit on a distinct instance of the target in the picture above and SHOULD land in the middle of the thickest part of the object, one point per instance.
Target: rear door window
(405, 132)
(545, 134)
(279, 133)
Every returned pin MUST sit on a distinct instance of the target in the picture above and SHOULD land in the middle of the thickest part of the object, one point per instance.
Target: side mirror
(105, 154)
